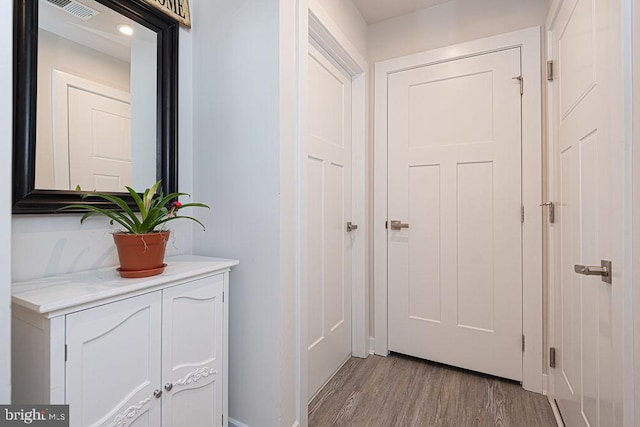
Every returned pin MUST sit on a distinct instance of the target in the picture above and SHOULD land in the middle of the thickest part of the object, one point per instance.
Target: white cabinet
(126, 352)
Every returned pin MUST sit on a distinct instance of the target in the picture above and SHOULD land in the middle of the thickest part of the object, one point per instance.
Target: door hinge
(523, 343)
(65, 352)
(522, 214)
(222, 419)
(550, 71)
(520, 79)
(386, 225)
(223, 296)
(552, 357)
(552, 211)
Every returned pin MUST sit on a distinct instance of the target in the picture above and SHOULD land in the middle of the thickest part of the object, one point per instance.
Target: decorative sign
(177, 9)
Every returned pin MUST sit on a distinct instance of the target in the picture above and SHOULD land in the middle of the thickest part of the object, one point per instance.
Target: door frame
(318, 28)
(529, 40)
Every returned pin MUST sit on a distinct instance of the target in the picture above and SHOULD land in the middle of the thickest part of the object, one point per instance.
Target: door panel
(113, 363)
(99, 141)
(329, 208)
(455, 275)
(585, 376)
(192, 348)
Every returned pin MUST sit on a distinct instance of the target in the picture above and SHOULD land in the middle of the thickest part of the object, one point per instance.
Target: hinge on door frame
(522, 214)
(550, 71)
(386, 225)
(520, 79)
(523, 343)
(222, 296)
(65, 352)
(552, 357)
(222, 419)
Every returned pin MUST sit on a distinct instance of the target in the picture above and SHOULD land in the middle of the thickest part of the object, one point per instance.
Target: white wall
(44, 245)
(347, 16)
(143, 109)
(451, 23)
(244, 167)
(58, 53)
(6, 106)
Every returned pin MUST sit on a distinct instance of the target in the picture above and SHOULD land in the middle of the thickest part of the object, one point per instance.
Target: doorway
(525, 344)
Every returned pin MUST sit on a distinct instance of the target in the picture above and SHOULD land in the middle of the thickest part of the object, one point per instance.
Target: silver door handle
(398, 225)
(351, 227)
(590, 270)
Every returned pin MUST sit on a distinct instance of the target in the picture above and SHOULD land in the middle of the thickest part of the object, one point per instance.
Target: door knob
(351, 227)
(168, 386)
(590, 270)
(157, 393)
(398, 225)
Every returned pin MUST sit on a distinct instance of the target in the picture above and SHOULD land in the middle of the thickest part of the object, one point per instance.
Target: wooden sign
(177, 9)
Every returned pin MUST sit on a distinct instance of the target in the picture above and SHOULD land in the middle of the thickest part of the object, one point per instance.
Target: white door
(329, 209)
(99, 141)
(192, 317)
(113, 363)
(588, 207)
(455, 274)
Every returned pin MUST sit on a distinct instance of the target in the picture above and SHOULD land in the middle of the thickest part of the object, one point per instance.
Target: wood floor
(404, 391)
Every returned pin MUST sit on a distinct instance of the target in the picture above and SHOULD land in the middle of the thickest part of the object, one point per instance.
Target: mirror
(94, 108)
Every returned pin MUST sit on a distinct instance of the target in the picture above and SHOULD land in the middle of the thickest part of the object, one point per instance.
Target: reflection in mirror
(96, 105)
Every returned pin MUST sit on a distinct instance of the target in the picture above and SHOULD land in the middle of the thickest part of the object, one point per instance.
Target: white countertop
(52, 294)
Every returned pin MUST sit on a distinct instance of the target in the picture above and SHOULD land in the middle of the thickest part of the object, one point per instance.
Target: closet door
(192, 348)
(113, 363)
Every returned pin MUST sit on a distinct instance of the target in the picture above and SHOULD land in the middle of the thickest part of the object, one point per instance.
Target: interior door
(192, 327)
(99, 141)
(113, 363)
(585, 377)
(454, 210)
(329, 208)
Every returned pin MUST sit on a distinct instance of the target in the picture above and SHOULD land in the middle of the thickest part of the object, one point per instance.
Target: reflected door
(99, 141)
(455, 275)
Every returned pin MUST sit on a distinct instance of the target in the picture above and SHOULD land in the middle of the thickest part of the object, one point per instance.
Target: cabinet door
(113, 363)
(192, 348)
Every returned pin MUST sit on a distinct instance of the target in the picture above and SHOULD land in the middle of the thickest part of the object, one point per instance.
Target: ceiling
(378, 10)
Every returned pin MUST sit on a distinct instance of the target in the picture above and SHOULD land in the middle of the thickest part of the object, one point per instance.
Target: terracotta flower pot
(141, 255)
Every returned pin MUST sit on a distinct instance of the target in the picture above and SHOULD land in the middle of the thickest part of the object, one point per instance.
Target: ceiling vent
(75, 8)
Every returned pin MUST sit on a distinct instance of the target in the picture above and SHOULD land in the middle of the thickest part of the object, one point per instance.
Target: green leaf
(138, 200)
(131, 217)
(178, 217)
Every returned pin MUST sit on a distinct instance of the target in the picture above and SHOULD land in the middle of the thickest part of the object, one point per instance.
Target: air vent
(75, 8)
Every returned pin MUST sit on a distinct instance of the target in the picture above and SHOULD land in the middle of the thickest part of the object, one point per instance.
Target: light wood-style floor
(404, 391)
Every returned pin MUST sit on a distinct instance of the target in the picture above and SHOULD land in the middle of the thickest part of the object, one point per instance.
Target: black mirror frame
(28, 199)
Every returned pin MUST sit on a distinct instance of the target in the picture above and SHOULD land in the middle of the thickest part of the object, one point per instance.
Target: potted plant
(142, 243)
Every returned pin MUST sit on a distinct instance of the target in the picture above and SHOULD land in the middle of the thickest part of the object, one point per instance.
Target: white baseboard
(235, 423)
(545, 384)
(556, 412)
(372, 345)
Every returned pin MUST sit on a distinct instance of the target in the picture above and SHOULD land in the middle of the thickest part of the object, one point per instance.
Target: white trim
(315, 24)
(372, 345)
(236, 423)
(529, 41)
(60, 84)
(545, 384)
(556, 412)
